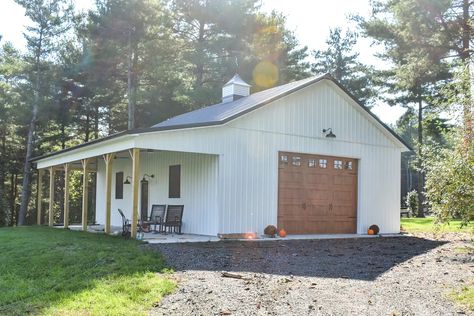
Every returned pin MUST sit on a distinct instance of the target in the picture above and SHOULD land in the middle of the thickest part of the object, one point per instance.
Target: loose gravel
(365, 276)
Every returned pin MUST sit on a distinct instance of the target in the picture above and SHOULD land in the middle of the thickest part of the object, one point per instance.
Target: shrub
(412, 202)
(450, 181)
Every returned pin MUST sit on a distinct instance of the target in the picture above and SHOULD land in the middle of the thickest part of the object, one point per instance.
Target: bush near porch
(60, 272)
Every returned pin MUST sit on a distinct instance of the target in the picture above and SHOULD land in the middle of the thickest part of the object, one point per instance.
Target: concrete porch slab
(153, 238)
(175, 238)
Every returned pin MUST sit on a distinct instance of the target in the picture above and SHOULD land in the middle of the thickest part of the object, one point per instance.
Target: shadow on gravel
(362, 259)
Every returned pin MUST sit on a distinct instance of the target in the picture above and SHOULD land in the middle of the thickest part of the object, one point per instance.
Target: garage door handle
(303, 206)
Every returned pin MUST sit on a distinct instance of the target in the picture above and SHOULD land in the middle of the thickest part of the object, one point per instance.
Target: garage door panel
(344, 180)
(343, 195)
(306, 187)
(296, 211)
(321, 226)
(317, 194)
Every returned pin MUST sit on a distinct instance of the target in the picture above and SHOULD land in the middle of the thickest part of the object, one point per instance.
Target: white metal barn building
(305, 156)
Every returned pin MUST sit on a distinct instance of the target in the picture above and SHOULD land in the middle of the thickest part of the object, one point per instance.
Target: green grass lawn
(465, 296)
(427, 224)
(50, 271)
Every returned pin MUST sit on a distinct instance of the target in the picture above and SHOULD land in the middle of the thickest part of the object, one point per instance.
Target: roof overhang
(96, 148)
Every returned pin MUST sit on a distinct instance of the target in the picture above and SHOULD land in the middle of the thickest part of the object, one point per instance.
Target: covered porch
(133, 179)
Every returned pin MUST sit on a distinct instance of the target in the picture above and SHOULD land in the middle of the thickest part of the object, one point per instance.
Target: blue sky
(309, 19)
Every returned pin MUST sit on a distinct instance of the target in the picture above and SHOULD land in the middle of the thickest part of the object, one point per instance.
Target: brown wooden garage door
(317, 194)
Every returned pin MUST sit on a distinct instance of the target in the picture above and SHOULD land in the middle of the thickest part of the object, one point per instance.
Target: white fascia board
(100, 148)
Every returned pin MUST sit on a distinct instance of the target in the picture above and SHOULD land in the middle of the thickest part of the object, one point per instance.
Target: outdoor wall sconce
(145, 176)
(329, 133)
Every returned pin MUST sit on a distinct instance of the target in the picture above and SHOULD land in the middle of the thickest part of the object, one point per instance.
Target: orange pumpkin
(371, 232)
(282, 233)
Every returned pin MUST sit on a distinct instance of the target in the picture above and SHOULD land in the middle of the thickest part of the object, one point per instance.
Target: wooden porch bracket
(51, 197)
(39, 196)
(85, 192)
(66, 195)
(108, 158)
(135, 153)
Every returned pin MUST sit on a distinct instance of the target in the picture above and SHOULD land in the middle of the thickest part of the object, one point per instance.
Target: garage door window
(337, 164)
(323, 163)
(311, 163)
(348, 165)
(284, 159)
(296, 161)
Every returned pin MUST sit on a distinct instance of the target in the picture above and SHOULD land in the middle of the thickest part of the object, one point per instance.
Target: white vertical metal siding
(248, 148)
(199, 174)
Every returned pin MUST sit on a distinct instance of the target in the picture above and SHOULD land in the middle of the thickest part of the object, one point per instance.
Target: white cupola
(235, 89)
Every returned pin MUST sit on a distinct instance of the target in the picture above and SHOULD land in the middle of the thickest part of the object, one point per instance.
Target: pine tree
(341, 61)
(50, 20)
(413, 49)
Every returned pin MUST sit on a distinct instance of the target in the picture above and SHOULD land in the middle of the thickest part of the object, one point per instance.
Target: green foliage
(409, 33)
(71, 273)
(450, 180)
(341, 61)
(13, 112)
(412, 202)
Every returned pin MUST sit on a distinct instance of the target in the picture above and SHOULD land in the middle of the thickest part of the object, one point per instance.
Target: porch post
(51, 196)
(40, 196)
(135, 153)
(108, 158)
(66, 196)
(85, 192)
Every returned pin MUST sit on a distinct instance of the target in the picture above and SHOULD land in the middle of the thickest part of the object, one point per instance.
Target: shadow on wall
(361, 259)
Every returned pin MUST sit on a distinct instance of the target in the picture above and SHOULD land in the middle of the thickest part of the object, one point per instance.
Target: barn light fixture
(127, 180)
(147, 176)
(329, 133)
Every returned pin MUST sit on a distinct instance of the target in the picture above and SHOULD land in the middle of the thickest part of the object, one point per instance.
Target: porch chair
(174, 218)
(126, 225)
(157, 217)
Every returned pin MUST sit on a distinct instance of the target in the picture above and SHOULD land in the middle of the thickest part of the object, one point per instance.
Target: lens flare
(265, 74)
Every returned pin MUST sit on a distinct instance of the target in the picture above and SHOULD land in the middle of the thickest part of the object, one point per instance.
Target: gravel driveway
(366, 276)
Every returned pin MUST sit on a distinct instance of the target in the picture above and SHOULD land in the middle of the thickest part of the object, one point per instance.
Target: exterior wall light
(329, 133)
(145, 176)
(127, 180)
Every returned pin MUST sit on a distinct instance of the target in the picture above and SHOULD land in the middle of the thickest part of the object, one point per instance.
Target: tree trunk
(420, 159)
(14, 189)
(88, 122)
(25, 190)
(130, 83)
(96, 121)
(465, 58)
(3, 206)
(199, 72)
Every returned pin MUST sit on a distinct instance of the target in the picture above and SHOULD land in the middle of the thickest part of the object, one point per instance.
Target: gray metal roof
(223, 112)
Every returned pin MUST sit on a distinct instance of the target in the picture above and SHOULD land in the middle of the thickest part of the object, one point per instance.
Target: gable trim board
(169, 126)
